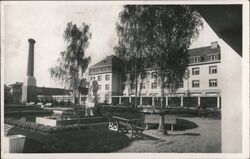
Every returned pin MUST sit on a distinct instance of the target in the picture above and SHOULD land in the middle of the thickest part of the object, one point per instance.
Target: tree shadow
(181, 125)
(186, 134)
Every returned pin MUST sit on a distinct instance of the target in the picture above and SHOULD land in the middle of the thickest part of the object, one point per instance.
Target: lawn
(92, 139)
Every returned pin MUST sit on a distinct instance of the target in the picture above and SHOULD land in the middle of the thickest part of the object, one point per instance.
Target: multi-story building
(106, 72)
(200, 87)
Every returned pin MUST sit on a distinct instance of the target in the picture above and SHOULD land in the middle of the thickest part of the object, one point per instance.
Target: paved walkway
(204, 138)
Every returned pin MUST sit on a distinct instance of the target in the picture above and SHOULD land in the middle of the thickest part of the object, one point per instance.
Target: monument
(29, 93)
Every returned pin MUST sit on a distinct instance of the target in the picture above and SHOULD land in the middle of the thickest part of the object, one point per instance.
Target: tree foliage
(72, 63)
(160, 35)
(131, 46)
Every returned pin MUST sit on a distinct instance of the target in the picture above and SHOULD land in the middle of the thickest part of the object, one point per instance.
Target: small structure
(14, 143)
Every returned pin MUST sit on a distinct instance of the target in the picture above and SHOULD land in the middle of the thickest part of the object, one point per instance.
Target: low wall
(46, 121)
(14, 143)
(55, 122)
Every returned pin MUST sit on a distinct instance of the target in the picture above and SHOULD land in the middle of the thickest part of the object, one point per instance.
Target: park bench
(30, 103)
(125, 125)
(155, 119)
(48, 104)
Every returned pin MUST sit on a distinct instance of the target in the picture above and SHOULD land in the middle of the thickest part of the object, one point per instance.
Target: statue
(92, 98)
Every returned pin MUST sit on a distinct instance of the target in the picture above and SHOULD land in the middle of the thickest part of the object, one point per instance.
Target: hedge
(40, 128)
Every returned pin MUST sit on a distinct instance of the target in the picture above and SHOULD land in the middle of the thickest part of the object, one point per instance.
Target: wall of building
(102, 92)
(231, 93)
(203, 90)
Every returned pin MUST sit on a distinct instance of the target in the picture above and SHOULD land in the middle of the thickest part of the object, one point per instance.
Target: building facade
(200, 88)
(106, 72)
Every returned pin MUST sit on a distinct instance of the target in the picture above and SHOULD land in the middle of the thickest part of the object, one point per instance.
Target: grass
(92, 139)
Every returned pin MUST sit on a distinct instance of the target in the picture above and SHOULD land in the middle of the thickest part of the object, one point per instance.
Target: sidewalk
(205, 138)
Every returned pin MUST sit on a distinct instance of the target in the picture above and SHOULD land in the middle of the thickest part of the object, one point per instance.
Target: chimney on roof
(214, 45)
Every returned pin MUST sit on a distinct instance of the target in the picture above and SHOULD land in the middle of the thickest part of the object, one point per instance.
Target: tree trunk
(78, 110)
(136, 88)
(162, 92)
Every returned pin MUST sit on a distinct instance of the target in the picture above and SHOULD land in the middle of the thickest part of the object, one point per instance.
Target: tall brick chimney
(29, 93)
(30, 69)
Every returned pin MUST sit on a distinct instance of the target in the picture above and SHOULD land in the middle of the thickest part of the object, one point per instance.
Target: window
(154, 65)
(107, 77)
(99, 87)
(144, 75)
(98, 97)
(153, 75)
(99, 78)
(107, 87)
(132, 86)
(196, 59)
(212, 69)
(213, 83)
(195, 83)
(166, 85)
(143, 86)
(215, 56)
(106, 97)
(153, 85)
(92, 77)
(196, 71)
(181, 85)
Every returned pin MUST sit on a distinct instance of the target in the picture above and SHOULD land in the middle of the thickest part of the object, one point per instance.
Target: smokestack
(30, 69)
(29, 90)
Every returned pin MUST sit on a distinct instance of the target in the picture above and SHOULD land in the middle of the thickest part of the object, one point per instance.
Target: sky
(46, 24)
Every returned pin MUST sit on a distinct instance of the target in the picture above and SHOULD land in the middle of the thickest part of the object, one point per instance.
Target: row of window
(212, 70)
(212, 83)
(195, 71)
(106, 87)
(100, 69)
(107, 96)
(212, 57)
(99, 78)
(195, 84)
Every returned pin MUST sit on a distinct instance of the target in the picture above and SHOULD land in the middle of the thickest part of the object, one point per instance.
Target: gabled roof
(106, 61)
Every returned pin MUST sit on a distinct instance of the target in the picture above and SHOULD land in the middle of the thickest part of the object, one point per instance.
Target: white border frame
(245, 87)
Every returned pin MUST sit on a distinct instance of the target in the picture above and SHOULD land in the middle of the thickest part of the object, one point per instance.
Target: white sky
(46, 23)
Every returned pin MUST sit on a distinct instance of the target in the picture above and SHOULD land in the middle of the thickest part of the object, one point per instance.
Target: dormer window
(196, 59)
(215, 56)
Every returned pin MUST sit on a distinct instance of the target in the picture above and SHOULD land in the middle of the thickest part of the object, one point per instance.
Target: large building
(201, 88)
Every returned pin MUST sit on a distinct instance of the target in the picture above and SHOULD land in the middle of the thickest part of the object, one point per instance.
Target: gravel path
(205, 138)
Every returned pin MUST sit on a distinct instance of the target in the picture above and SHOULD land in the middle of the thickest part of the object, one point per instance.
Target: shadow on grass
(91, 140)
(185, 134)
(148, 137)
(181, 125)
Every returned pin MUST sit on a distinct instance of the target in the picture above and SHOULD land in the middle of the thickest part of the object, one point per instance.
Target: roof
(106, 61)
(52, 91)
(203, 51)
(226, 22)
(16, 84)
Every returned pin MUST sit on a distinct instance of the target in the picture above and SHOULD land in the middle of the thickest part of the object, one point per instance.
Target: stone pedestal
(14, 143)
(29, 90)
(161, 128)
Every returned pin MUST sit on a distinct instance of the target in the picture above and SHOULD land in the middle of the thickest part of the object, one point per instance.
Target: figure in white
(92, 98)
